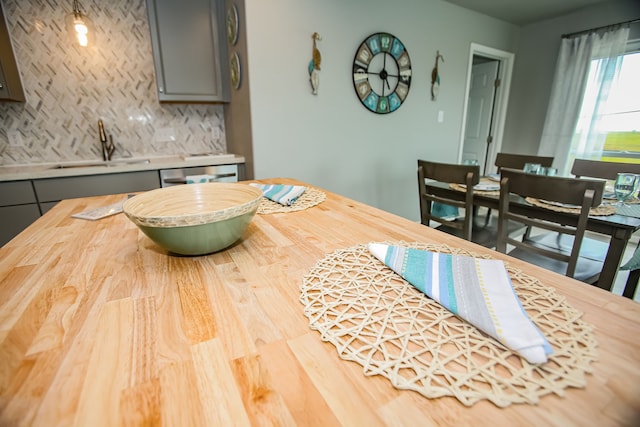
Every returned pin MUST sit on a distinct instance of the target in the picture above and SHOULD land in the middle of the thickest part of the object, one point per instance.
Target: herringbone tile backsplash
(69, 88)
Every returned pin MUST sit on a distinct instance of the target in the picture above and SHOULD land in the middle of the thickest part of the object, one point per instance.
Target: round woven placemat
(602, 210)
(376, 319)
(463, 188)
(310, 198)
(633, 201)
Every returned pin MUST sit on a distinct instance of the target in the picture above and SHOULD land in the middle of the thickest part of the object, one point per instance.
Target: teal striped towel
(284, 194)
(197, 179)
(476, 290)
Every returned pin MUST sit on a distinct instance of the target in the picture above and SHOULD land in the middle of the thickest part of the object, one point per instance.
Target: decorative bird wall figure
(435, 78)
(314, 65)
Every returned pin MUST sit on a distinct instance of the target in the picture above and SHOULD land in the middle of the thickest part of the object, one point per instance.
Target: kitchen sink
(74, 166)
(111, 163)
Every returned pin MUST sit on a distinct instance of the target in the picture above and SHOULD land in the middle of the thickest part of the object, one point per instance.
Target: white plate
(486, 187)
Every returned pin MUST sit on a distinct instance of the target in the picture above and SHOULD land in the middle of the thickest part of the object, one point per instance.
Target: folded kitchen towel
(197, 179)
(444, 211)
(477, 290)
(284, 194)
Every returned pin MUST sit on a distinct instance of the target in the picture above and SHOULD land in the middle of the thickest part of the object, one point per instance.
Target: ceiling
(523, 12)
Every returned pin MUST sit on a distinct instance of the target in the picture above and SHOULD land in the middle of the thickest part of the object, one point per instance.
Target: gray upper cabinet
(10, 84)
(189, 50)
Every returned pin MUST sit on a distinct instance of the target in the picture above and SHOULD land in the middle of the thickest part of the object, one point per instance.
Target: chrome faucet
(107, 149)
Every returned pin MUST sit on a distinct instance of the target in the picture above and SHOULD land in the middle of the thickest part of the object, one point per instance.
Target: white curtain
(570, 81)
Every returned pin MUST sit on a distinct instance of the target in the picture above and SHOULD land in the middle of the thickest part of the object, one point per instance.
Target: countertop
(101, 327)
(97, 167)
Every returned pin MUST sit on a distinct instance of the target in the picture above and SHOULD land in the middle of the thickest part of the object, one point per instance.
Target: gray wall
(535, 66)
(331, 140)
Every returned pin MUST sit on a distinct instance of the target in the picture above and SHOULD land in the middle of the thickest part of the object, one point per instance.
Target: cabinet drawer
(219, 173)
(16, 193)
(55, 189)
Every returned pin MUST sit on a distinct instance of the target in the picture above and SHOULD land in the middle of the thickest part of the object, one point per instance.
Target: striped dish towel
(284, 194)
(197, 179)
(477, 290)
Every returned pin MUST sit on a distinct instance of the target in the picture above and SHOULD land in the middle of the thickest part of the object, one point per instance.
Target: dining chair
(633, 265)
(601, 169)
(462, 226)
(584, 193)
(517, 161)
(591, 248)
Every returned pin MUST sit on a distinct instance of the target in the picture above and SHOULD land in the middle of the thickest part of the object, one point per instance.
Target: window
(610, 130)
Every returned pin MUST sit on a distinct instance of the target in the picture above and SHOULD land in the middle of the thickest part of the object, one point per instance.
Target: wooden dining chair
(462, 226)
(517, 161)
(581, 192)
(591, 248)
(602, 170)
(633, 265)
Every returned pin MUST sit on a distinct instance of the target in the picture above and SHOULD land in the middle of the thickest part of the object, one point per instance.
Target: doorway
(485, 105)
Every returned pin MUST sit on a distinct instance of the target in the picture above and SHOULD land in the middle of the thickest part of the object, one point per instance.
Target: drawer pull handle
(211, 178)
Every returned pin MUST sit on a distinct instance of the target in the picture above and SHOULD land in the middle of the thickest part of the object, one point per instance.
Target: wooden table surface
(99, 326)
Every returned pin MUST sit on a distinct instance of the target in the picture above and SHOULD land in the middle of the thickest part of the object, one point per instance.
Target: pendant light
(80, 26)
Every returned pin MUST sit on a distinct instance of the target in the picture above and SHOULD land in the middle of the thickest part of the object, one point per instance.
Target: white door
(479, 111)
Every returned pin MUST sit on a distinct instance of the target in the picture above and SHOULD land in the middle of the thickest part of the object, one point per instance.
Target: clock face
(382, 73)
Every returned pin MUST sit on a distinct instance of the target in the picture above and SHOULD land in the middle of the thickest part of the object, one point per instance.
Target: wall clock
(382, 73)
(232, 25)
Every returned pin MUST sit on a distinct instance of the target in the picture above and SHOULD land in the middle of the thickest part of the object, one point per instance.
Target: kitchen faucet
(107, 149)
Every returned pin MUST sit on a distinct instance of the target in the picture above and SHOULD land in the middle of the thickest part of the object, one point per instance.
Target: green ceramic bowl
(194, 219)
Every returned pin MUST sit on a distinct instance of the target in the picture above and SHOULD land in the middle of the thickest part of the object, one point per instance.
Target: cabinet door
(10, 85)
(56, 189)
(189, 52)
(16, 193)
(14, 219)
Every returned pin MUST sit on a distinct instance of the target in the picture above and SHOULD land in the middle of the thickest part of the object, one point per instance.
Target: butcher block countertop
(101, 327)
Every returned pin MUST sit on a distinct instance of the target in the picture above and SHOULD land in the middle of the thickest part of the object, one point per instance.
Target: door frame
(500, 104)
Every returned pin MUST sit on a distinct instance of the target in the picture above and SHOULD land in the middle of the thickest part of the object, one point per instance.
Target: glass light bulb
(83, 40)
(80, 27)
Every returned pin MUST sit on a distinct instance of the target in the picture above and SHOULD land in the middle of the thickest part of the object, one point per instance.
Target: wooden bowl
(194, 219)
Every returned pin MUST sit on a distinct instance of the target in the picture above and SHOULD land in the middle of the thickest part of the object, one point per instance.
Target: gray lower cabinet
(51, 190)
(189, 50)
(23, 202)
(18, 208)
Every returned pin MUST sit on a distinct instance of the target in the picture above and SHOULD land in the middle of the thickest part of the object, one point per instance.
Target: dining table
(99, 326)
(618, 227)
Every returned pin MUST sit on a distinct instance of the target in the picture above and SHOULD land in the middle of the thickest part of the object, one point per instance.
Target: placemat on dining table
(310, 198)
(463, 188)
(602, 210)
(376, 319)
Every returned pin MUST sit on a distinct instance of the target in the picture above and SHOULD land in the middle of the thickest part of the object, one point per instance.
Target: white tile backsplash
(69, 88)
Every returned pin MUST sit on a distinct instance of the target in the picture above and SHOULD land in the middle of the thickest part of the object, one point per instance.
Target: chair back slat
(554, 188)
(602, 170)
(517, 161)
(447, 172)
